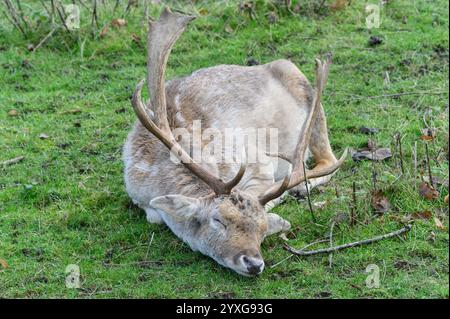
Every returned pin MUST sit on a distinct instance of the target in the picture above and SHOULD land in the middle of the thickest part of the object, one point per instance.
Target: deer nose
(254, 265)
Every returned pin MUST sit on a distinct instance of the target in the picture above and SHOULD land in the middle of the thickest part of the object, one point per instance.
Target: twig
(94, 16)
(415, 165)
(308, 196)
(62, 18)
(46, 9)
(149, 244)
(399, 143)
(14, 18)
(301, 249)
(13, 161)
(115, 7)
(44, 39)
(298, 252)
(428, 165)
(353, 205)
(330, 256)
(399, 94)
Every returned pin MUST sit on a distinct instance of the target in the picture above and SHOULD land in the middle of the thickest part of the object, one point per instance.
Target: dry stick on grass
(308, 196)
(330, 256)
(46, 9)
(62, 17)
(299, 252)
(400, 94)
(301, 249)
(13, 161)
(353, 205)
(399, 144)
(149, 244)
(45, 39)
(14, 18)
(21, 15)
(94, 20)
(415, 165)
(428, 165)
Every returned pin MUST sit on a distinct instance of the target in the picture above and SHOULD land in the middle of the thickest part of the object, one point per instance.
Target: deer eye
(217, 220)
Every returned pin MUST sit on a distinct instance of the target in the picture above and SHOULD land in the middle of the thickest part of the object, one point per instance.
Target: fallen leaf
(3, 263)
(104, 31)
(135, 39)
(377, 155)
(428, 134)
(339, 5)
(13, 112)
(446, 199)
(43, 136)
(380, 203)
(374, 40)
(437, 181)
(439, 224)
(118, 23)
(427, 191)
(368, 130)
(426, 214)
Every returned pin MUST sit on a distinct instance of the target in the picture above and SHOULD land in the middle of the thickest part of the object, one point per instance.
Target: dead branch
(394, 95)
(428, 165)
(328, 250)
(44, 39)
(308, 195)
(301, 249)
(330, 256)
(13, 161)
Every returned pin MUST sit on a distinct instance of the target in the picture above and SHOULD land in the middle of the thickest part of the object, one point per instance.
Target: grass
(65, 203)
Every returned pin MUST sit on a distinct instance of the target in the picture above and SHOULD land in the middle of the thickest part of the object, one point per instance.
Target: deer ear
(276, 224)
(177, 206)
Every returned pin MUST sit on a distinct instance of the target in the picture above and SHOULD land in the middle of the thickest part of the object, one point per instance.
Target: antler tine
(297, 176)
(275, 191)
(162, 36)
(305, 134)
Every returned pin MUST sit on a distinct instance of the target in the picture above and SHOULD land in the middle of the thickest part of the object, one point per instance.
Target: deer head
(228, 225)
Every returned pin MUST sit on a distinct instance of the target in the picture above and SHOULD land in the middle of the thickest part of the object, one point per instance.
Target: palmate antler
(162, 36)
(297, 175)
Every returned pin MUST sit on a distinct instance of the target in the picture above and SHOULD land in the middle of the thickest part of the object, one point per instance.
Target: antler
(297, 175)
(161, 37)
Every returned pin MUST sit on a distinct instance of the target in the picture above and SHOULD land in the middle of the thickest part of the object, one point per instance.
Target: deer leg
(320, 148)
(153, 216)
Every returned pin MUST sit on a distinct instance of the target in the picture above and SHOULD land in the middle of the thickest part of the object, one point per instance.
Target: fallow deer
(224, 220)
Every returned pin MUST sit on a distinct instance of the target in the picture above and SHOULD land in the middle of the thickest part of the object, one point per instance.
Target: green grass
(66, 202)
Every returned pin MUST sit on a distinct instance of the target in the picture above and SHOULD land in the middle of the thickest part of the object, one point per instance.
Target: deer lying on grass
(224, 220)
